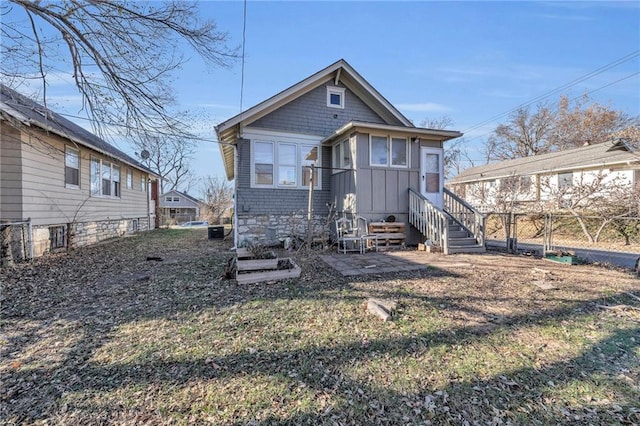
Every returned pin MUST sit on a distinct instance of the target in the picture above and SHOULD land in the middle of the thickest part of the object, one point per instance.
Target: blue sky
(470, 61)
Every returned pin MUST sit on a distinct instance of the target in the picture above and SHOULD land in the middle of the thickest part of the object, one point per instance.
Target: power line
(572, 99)
(572, 83)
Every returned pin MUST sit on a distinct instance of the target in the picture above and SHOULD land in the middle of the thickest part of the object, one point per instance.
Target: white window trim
(334, 90)
(129, 179)
(407, 147)
(111, 180)
(276, 178)
(70, 185)
(389, 163)
(339, 149)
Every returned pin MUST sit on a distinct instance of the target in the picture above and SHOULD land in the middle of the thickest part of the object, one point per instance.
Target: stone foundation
(272, 229)
(85, 233)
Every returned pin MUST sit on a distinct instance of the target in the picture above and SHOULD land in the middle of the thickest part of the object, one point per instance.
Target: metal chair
(367, 240)
(348, 236)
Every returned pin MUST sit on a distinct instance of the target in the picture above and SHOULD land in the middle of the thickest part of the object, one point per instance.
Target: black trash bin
(216, 232)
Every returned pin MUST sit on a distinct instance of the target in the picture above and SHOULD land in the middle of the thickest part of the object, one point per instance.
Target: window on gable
(335, 97)
(71, 167)
(176, 199)
(168, 199)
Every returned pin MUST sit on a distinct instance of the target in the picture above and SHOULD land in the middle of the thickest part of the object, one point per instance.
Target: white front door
(432, 174)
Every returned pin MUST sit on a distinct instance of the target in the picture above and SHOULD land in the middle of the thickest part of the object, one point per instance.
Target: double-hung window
(143, 184)
(71, 167)
(388, 151)
(105, 179)
(263, 163)
(129, 179)
(287, 169)
(283, 164)
(342, 155)
(115, 181)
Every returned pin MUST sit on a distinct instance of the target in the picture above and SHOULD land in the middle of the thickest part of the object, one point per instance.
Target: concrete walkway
(384, 262)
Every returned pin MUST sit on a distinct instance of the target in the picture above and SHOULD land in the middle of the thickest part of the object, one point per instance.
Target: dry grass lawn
(103, 336)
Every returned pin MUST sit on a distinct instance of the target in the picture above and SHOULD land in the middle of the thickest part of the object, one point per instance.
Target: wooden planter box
(260, 270)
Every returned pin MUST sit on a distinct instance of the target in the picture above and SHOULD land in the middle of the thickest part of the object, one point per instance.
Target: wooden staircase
(458, 228)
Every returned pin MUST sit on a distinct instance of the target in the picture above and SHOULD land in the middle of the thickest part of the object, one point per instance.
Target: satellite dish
(144, 154)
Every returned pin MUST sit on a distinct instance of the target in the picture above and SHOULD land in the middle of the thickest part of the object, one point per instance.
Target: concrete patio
(390, 261)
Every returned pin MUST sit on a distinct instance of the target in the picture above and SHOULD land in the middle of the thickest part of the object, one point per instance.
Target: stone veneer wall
(271, 229)
(85, 233)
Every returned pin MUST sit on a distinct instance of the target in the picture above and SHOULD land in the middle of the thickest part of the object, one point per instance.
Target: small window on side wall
(335, 97)
(71, 168)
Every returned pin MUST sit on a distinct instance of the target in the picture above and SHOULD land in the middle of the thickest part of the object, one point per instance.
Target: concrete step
(467, 241)
(458, 234)
(467, 249)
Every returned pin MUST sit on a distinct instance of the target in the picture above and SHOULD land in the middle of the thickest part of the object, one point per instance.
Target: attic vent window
(335, 97)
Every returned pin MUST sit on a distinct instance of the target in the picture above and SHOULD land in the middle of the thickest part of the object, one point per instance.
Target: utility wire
(572, 99)
(572, 83)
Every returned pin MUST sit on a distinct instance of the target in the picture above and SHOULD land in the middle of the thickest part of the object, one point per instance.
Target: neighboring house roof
(182, 194)
(600, 155)
(31, 113)
(340, 71)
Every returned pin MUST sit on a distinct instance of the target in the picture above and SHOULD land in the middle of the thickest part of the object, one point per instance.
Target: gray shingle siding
(256, 201)
(309, 114)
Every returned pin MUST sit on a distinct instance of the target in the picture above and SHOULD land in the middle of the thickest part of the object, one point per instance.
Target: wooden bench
(390, 234)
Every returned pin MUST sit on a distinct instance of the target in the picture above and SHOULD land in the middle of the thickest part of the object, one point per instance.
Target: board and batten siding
(46, 200)
(309, 114)
(10, 174)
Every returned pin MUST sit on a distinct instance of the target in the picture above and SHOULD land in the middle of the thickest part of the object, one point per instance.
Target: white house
(541, 178)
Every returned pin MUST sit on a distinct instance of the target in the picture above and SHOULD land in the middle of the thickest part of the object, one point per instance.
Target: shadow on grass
(107, 294)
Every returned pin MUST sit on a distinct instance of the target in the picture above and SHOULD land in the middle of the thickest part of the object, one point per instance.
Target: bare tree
(552, 128)
(598, 196)
(525, 134)
(170, 158)
(582, 121)
(218, 197)
(121, 54)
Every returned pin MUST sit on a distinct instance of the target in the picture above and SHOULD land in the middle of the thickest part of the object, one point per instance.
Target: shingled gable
(229, 131)
(602, 155)
(30, 113)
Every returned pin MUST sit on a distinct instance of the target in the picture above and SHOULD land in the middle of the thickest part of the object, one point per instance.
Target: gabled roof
(340, 71)
(602, 155)
(182, 194)
(31, 113)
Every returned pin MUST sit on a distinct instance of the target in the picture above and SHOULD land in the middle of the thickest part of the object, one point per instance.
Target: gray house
(367, 159)
(177, 207)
